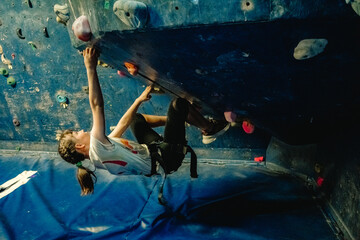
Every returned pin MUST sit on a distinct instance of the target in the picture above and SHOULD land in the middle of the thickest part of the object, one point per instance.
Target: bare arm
(127, 118)
(95, 95)
(155, 121)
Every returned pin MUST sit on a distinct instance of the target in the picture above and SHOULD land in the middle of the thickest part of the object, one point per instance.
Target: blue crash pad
(229, 200)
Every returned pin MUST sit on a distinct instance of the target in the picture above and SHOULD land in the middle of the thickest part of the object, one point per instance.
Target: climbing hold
(19, 33)
(1, 50)
(4, 72)
(230, 116)
(4, 60)
(355, 4)
(317, 168)
(13, 56)
(0, 22)
(319, 181)
(132, 68)
(309, 48)
(103, 64)
(45, 32)
(81, 28)
(62, 99)
(121, 73)
(107, 4)
(62, 13)
(157, 90)
(259, 159)
(132, 13)
(201, 71)
(33, 46)
(11, 81)
(247, 5)
(248, 127)
(85, 89)
(16, 122)
(30, 4)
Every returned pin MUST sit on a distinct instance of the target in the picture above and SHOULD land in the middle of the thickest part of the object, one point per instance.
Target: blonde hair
(67, 151)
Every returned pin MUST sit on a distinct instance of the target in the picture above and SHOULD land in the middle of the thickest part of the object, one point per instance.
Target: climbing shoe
(218, 128)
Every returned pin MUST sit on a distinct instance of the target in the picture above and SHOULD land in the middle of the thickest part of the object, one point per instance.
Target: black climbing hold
(16, 122)
(30, 4)
(19, 33)
(45, 32)
(0, 22)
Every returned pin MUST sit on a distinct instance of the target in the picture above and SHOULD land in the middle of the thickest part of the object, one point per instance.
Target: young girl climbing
(91, 150)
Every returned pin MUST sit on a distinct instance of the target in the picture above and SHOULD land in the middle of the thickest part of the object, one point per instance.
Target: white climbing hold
(309, 48)
(1, 50)
(355, 4)
(81, 28)
(62, 13)
(132, 13)
(5, 60)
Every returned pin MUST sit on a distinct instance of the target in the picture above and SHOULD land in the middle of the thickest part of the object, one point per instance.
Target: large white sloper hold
(309, 48)
(132, 13)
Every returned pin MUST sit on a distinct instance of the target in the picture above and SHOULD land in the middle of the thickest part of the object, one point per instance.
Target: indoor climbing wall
(44, 85)
(289, 66)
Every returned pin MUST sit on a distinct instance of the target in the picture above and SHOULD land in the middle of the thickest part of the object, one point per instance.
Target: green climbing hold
(107, 4)
(33, 46)
(11, 81)
(4, 72)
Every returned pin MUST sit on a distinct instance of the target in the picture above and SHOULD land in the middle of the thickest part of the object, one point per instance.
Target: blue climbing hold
(62, 99)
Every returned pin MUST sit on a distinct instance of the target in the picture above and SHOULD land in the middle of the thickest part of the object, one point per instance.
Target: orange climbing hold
(132, 68)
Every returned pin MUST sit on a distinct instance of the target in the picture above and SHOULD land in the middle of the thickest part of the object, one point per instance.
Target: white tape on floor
(9, 186)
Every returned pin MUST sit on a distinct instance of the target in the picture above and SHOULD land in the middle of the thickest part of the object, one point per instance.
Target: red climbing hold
(259, 159)
(248, 127)
(121, 73)
(319, 181)
(81, 28)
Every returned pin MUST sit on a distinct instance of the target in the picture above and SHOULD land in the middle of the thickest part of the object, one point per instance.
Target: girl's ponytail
(85, 180)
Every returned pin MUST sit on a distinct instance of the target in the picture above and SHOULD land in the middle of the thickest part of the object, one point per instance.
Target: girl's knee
(180, 105)
(138, 119)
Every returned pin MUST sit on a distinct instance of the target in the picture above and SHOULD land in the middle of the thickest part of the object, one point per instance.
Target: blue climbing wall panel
(223, 56)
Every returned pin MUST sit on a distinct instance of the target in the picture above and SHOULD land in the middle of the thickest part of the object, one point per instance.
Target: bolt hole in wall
(176, 8)
(247, 4)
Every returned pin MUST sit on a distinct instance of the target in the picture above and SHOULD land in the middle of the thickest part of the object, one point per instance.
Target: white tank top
(120, 157)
